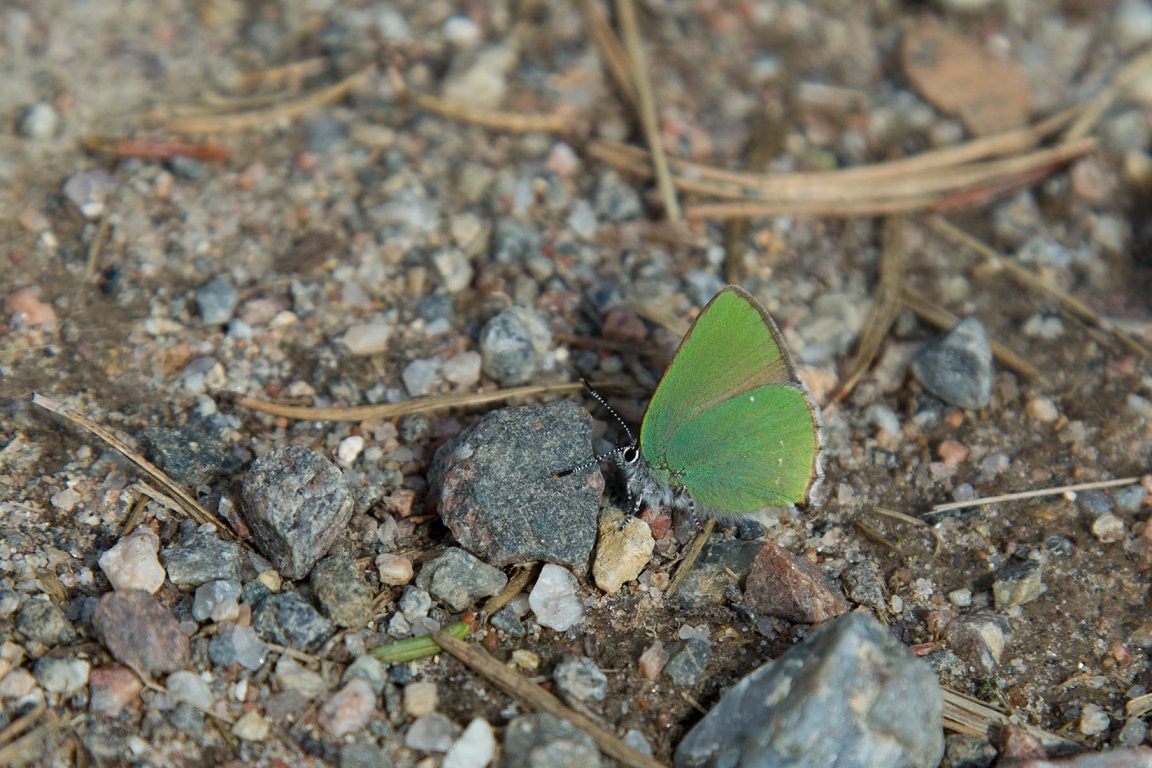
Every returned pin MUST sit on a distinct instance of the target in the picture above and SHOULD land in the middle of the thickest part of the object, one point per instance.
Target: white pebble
(474, 749)
(419, 699)
(251, 727)
(350, 449)
(1093, 720)
(367, 338)
(1108, 529)
(394, 569)
(132, 563)
(961, 598)
(1132, 25)
(1043, 410)
(189, 687)
(66, 500)
(463, 369)
(555, 599)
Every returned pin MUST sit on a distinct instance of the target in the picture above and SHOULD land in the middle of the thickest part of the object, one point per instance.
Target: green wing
(731, 407)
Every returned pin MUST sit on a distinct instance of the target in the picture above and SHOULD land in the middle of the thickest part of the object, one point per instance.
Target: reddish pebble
(400, 502)
(349, 710)
(659, 521)
(952, 453)
(653, 659)
(111, 689)
(622, 325)
(791, 588)
(25, 308)
(139, 632)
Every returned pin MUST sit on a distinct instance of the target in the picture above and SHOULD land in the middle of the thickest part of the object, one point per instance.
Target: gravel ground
(360, 252)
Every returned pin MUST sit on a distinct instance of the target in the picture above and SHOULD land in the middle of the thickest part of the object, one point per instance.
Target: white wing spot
(751, 398)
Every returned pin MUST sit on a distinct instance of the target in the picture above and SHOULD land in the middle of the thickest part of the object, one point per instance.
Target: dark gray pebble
(513, 345)
(542, 741)
(139, 632)
(458, 579)
(849, 689)
(863, 585)
(689, 661)
(216, 301)
(200, 558)
(1093, 504)
(507, 622)
(342, 592)
(980, 639)
(1017, 583)
(579, 679)
(289, 619)
(194, 454)
(221, 650)
(498, 493)
(706, 583)
(296, 503)
(44, 622)
(962, 750)
(514, 244)
(958, 367)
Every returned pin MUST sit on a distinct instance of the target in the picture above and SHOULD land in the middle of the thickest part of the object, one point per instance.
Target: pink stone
(952, 453)
(27, 309)
(349, 710)
(793, 588)
(111, 689)
(653, 659)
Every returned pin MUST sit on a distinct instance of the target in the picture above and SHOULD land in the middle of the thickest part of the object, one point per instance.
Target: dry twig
(1035, 494)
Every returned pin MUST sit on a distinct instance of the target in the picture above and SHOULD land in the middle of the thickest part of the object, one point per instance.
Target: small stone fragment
(431, 733)
(191, 688)
(200, 558)
(688, 662)
(513, 345)
(251, 726)
(527, 660)
(367, 338)
(342, 592)
(395, 570)
(89, 191)
(132, 563)
(139, 632)
(217, 600)
(293, 675)
(296, 503)
(288, 619)
(1094, 720)
(1043, 410)
(248, 648)
(653, 660)
(458, 578)
(555, 600)
(216, 301)
(419, 699)
(579, 679)
(42, 621)
(1018, 583)
(542, 741)
(349, 710)
(63, 676)
(1108, 529)
(111, 689)
(979, 639)
(623, 548)
(23, 307)
(791, 588)
(474, 749)
(958, 367)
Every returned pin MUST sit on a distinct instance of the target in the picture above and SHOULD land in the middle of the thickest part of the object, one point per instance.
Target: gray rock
(194, 454)
(200, 558)
(615, 200)
(863, 585)
(342, 592)
(39, 121)
(249, 649)
(458, 578)
(1130, 499)
(415, 603)
(89, 191)
(579, 679)
(980, 639)
(498, 492)
(1093, 504)
(139, 632)
(431, 733)
(1018, 583)
(64, 676)
(296, 503)
(513, 345)
(508, 623)
(542, 741)
(221, 650)
(849, 695)
(44, 622)
(216, 301)
(958, 367)
(289, 619)
(688, 662)
(514, 244)
(213, 597)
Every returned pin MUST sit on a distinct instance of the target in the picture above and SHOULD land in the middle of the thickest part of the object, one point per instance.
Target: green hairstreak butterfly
(730, 429)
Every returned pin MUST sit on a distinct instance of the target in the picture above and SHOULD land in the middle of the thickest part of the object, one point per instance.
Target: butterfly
(731, 428)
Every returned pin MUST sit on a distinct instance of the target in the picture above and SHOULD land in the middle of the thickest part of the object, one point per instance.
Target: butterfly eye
(631, 454)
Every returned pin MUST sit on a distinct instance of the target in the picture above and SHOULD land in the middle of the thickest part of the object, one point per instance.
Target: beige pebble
(420, 699)
(653, 659)
(623, 548)
(1042, 409)
(526, 660)
(251, 727)
(394, 569)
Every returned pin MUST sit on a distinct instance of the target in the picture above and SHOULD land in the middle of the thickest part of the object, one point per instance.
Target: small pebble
(415, 603)
(542, 741)
(1094, 720)
(793, 588)
(39, 121)
(89, 191)
(1131, 499)
(579, 679)
(249, 649)
(1042, 409)
(23, 307)
(288, 619)
(350, 449)
(475, 748)
(463, 369)
(1018, 583)
(367, 338)
(251, 726)
(653, 660)
(191, 688)
(961, 598)
(527, 660)
(688, 662)
(349, 710)
(293, 675)
(513, 345)
(139, 632)
(422, 377)
(64, 676)
(952, 453)
(555, 600)
(420, 699)
(218, 600)
(42, 621)
(200, 558)
(111, 689)
(216, 301)
(958, 367)
(1108, 529)
(342, 592)
(133, 564)
(431, 733)
(395, 570)
(458, 578)
(883, 418)
(623, 548)
(454, 268)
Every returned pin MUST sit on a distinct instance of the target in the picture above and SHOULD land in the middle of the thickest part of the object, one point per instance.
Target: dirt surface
(337, 215)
